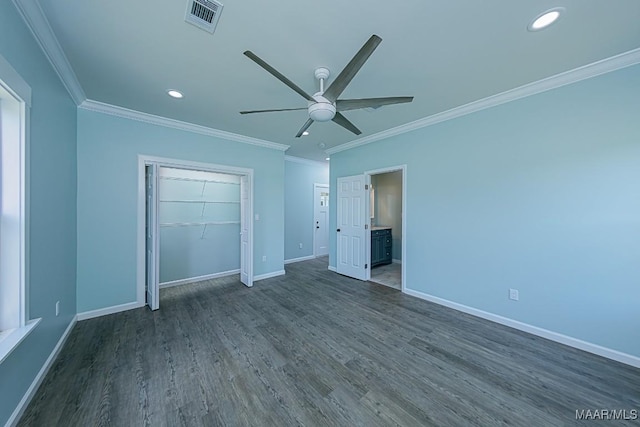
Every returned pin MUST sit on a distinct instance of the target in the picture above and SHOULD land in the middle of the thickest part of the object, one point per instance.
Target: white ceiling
(444, 53)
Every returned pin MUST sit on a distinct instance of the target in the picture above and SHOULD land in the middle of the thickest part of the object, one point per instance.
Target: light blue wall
(540, 194)
(210, 244)
(108, 149)
(51, 206)
(299, 208)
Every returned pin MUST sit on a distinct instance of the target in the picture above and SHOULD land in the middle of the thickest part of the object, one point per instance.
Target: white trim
(588, 71)
(302, 258)
(534, 330)
(14, 337)
(38, 24)
(306, 161)
(199, 278)
(16, 84)
(332, 268)
(31, 391)
(403, 169)
(181, 164)
(108, 310)
(114, 110)
(396, 261)
(269, 275)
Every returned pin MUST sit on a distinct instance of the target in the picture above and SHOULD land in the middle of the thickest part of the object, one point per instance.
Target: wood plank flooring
(319, 349)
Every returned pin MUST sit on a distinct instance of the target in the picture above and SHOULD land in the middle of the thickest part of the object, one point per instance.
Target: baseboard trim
(396, 261)
(332, 268)
(303, 258)
(31, 391)
(268, 275)
(616, 355)
(199, 278)
(109, 310)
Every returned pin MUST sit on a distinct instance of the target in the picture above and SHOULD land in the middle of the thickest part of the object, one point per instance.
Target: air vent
(203, 14)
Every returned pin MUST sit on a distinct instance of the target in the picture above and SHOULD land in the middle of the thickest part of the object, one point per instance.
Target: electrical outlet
(264, 258)
(513, 294)
(300, 245)
(257, 217)
(57, 308)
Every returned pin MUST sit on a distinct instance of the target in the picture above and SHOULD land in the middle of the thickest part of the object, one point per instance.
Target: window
(14, 98)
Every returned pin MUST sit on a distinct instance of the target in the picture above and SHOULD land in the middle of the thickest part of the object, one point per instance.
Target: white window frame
(15, 102)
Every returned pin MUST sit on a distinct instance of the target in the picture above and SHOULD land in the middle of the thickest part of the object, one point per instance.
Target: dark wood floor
(315, 348)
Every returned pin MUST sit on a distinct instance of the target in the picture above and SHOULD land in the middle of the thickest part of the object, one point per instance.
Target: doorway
(321, 220)
(364, 241)
(195, 176)
(386, 228)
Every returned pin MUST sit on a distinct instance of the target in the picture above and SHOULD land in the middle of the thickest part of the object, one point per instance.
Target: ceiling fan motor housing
(322, 110)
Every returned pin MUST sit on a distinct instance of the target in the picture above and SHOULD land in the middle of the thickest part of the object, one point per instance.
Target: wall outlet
(57, 308)
(257, 217)
(513, 294)
(300, 245)
(264, 258)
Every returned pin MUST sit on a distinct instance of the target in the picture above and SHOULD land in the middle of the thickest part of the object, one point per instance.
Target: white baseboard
(31, 391)
(396, 261)
(304, 258)
(268, 275)
(618, 356)
(332, 268)
(199, 278)
(109, 310)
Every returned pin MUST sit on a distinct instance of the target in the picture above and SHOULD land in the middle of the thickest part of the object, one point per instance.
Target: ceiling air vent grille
(203, 14)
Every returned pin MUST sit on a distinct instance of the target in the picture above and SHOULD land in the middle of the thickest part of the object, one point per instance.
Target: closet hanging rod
(199, 201)
(193, 224)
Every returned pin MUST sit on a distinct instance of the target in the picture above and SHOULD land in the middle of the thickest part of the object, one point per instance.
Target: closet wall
(199, 215)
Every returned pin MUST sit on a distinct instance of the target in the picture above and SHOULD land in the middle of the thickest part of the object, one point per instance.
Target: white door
(246, 259)
(321, 220)
(352, 227)
(151, 237)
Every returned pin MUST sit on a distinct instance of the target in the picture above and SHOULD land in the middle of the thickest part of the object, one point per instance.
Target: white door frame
(316, 186)
(403, 169)
(182, 164)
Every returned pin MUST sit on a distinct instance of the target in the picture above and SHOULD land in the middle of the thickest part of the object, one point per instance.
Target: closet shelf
(191, 224)
(199, 201)
(172, 178)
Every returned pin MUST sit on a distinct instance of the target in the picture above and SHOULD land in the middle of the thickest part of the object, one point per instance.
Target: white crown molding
(126, 113)
(305, 161)
(604, 66)
(37, 22)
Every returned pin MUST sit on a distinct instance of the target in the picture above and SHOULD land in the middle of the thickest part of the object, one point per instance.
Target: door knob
(338, 230)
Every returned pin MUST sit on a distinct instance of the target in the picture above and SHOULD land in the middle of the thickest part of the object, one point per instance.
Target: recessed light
(545, 19)
(174, 93)
(305, 133)
(327, 158)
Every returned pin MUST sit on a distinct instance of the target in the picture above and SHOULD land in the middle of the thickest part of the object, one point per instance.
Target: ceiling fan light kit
(324, 105)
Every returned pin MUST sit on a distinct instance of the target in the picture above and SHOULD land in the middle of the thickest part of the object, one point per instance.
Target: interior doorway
(370, 234)
(321, 220)
(386, 228)
(187, 207)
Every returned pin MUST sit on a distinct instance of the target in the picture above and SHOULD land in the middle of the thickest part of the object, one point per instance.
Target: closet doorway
(193, 216)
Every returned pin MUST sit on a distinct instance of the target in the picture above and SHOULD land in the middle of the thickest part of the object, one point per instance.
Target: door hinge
(366, 266)
(366, 226)
(366, 186)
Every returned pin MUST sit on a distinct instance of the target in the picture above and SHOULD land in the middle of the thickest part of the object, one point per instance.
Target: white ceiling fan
(325, 105)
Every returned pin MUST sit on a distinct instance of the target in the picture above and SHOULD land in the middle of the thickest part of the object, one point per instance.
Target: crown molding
(588, 71)
(37, 22)
(305, 161)
(126, 113)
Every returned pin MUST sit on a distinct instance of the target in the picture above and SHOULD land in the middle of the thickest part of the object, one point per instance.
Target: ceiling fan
(325, 105)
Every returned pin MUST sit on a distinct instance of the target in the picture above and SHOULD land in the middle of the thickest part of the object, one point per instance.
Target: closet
(199, 219)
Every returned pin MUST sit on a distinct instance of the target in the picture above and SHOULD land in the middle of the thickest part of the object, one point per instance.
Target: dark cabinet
(380, 246)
